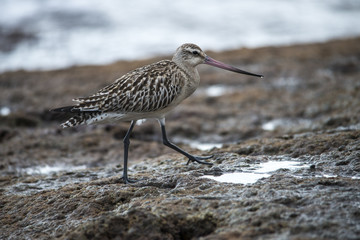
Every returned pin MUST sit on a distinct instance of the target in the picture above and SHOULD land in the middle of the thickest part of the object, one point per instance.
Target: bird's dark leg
(176, 148)
(126, 150)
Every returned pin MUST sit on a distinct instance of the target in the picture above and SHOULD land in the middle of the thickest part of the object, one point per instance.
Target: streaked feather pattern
(147, 89)
(147, 92)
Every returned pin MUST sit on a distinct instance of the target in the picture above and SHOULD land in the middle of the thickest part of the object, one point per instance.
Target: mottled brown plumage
(147, 92)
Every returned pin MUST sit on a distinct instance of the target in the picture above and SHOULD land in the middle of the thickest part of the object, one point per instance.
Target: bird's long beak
(213, 62)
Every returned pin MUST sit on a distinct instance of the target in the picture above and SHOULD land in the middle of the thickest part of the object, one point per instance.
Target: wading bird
(147, 92)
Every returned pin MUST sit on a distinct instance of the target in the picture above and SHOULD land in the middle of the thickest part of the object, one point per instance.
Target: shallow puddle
(216, 90)
(4, 111)
(47, 177)
(46, 169)
(287, 124)
(254, 173)
(204, 146)
(200, 145)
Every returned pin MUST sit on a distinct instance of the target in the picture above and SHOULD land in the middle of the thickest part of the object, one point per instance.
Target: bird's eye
(195, 52)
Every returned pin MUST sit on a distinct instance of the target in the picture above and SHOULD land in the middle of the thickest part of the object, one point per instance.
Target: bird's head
(191, 55)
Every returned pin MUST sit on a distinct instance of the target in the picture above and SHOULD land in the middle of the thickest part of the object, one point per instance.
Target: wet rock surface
(67, 184)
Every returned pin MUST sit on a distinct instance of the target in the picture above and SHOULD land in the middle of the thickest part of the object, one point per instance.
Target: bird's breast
(191, 83)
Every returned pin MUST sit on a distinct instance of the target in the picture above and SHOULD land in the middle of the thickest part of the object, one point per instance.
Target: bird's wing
(145, 89)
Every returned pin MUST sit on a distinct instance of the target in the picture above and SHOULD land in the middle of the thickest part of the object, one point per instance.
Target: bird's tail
(80, 117)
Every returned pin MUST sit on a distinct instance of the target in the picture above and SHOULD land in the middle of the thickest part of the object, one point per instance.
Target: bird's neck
(190, 70)
(193, 79)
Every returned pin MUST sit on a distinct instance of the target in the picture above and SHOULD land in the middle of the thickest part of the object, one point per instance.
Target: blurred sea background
(53, 34)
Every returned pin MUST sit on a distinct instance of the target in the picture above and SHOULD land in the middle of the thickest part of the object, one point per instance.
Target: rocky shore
(66, 183)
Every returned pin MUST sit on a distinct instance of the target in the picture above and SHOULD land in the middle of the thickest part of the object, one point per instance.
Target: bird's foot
(199, 158)
(128, 180)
